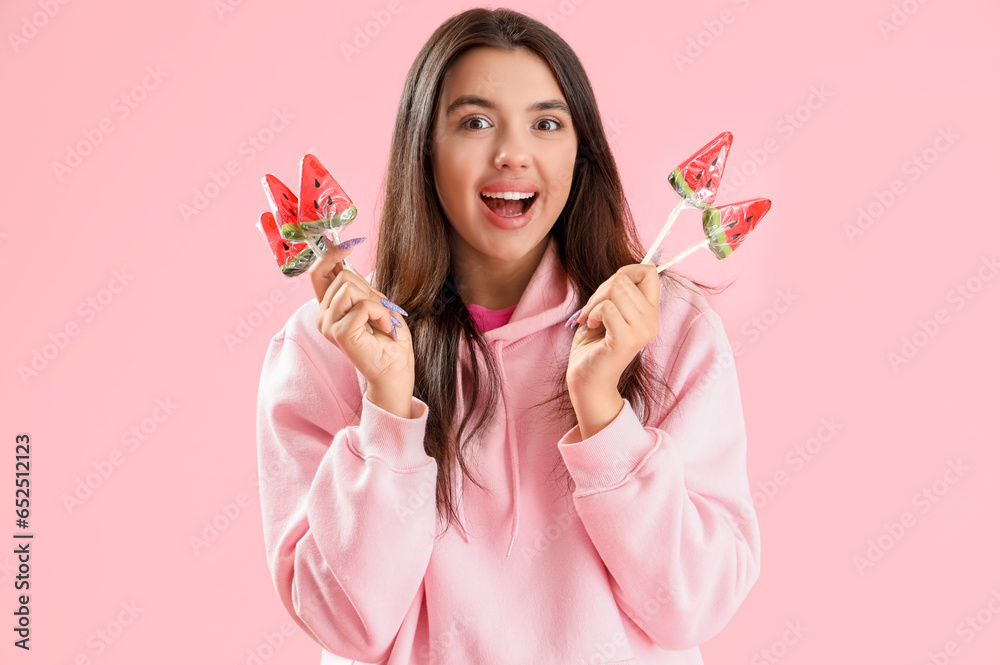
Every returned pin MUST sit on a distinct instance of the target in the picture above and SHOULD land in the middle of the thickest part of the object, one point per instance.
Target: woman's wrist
(595, 410)
(393, 399)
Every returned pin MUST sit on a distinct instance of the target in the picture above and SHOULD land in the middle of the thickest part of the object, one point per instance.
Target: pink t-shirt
(488, 319)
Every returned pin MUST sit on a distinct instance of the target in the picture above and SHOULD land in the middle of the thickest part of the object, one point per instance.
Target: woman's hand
(347, 303)
(619, 319)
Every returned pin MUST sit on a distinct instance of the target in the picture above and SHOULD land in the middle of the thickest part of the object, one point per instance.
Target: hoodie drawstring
(457, 469)
(512, 442)
(512, 450)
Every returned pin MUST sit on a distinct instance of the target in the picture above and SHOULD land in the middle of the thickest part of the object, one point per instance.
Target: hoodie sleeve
(668, 506)
(348, 503)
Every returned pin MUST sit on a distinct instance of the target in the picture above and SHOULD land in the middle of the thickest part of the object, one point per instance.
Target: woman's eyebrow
(473, 100)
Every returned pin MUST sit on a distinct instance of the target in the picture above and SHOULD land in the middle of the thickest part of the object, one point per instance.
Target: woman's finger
(344, 278)
(629, 301)
(326, 267)
(646, 280)
(351, 323)
(642, 276)
(617, 330)
(344, 295)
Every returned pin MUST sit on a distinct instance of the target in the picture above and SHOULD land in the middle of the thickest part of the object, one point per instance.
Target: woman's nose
(511, 153)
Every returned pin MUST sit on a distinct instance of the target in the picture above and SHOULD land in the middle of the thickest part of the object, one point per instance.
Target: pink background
(172, 291)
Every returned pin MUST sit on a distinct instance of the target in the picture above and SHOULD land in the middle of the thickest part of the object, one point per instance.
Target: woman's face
(502, 125)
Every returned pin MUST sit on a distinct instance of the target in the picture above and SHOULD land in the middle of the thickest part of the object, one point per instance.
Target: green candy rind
(299, 263)
(711, 222)
(298, 232)
(291, 232)
(676, 180)
(343, 219)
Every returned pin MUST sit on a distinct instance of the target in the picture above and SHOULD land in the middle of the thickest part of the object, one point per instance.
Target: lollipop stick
(336, 241)
(663, 232)
(692, 248)
(314, 246)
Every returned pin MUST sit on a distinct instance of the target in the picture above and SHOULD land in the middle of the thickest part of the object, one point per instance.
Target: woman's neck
(494, 284)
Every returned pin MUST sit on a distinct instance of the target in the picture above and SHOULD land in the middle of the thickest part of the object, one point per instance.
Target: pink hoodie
(650, 555)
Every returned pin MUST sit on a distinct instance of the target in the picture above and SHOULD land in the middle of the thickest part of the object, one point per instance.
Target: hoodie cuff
(399, 442)
(603, 461)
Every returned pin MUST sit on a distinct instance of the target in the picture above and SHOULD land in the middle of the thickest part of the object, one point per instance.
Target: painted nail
(388, 304)
(347, 244)
(655, 258)
(393, 323)
(571, 320)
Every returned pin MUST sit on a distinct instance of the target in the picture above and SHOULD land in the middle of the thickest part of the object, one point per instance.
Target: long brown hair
(595, 235)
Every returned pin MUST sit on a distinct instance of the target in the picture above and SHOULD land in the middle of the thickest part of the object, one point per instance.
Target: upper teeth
(509, 195)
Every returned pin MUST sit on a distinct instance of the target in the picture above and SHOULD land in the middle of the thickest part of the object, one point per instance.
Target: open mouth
(512, 207)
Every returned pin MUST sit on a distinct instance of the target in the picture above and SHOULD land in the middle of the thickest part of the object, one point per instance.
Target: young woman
(607, 515)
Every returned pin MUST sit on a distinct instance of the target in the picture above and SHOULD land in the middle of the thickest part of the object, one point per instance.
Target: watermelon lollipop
(285, 206)
(322, 207)
(697, 179)
(293, 258)
(322, 202)
(725, 228)
(727, 225)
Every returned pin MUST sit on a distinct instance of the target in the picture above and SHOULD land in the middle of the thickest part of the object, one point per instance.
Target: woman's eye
(555, 124)
(468, 122)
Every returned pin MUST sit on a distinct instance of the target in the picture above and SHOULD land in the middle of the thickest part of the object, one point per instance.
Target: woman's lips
(523, 204)
(509, 223)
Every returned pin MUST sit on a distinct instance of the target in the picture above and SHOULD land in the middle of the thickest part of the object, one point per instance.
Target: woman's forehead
(491, 75)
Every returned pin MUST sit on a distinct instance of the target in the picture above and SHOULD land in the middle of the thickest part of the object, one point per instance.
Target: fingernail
(347, 244)
(393, 325)
(571, 320)
(388, 304)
